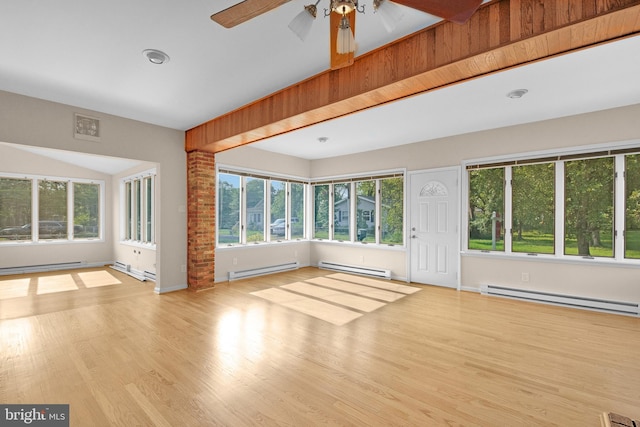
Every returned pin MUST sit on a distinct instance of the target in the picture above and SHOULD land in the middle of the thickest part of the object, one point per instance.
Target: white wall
(30, 121)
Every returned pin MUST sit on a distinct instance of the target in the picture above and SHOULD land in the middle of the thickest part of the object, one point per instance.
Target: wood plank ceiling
(502, 34)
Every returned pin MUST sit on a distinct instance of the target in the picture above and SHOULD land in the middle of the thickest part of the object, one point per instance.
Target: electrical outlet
(235, 261)
(525, 277)
(183, 268)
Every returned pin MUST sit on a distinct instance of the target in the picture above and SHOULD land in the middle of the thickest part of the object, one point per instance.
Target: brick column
(201, 222)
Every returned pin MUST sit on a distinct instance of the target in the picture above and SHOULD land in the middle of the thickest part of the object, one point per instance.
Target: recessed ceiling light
(156, 56)
(518, 93)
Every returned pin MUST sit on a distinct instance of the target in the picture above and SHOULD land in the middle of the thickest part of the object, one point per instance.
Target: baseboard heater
(126, 269)
(234, 275)
(366, 271)
(150, 275)
(608, 306)
(42, 268)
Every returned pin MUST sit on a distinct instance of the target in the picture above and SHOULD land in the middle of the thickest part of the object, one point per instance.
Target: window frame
(70, 237)
(246, 174)
(559, 157)
(352, 180)
(138, 208)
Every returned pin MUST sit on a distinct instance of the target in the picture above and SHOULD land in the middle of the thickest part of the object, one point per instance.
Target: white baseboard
(174, 288)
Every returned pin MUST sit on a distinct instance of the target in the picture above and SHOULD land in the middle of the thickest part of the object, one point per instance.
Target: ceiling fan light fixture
(343, 7)
(301, 24)
(345, 42)
(390, 13)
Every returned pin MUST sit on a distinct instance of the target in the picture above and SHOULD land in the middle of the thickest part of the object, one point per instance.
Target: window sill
(560, 259)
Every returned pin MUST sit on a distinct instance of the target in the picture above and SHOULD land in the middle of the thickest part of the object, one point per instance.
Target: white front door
(433, 233)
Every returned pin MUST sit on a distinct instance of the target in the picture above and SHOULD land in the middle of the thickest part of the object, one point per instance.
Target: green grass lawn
(544, 244)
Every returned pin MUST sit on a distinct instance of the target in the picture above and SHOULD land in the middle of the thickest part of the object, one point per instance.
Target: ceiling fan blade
(455, 11)
(340, 60)
(245, 10)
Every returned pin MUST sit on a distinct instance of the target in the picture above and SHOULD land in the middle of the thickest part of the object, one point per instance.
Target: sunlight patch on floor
(59, 283)
(338, 298)
(14, 288)
(22, 287)
(94, 279)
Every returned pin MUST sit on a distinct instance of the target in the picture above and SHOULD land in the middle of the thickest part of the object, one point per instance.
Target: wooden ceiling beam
(500, 35)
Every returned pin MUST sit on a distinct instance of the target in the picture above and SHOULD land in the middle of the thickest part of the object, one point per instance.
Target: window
(15, 209)
(392, 211)
(356, 219)
(278, 223)
(341, 208)
(256, 208)
(632, 207)
(533, 193)
(589, 187)
(321, 212)
(297, 210)
(228, 208)
(52, 210)
(64, 209)
(139, 208)
(365, 211)
(583, 205)
(486, 209)
(86, 210)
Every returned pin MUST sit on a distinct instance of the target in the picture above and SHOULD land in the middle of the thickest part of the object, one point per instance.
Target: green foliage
(392, 190)
(278, 197)
(589, 190)
(533, 199)
(15, 202)
(228, 201)
(321, 210)
(52, 203)
(486, 196)
(86, 204)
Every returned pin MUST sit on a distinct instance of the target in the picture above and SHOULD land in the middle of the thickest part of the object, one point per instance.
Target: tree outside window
(366, 224)
(321, 211)
(341, 209)
(15, 209)
(52, 210)
(228, 208)
(589, 190)
(486, 209)
(278, 209)
(533, 208)
(255, 209)
(392, 210)
(632, 206)
(86, 210)
(297, 210)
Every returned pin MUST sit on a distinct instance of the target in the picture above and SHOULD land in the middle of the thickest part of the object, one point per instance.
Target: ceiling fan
(342, 14)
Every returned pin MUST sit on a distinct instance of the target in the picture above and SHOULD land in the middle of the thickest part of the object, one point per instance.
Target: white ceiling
(88, 53)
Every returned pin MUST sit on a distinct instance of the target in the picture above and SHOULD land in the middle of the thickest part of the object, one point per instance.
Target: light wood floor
(121, 355)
